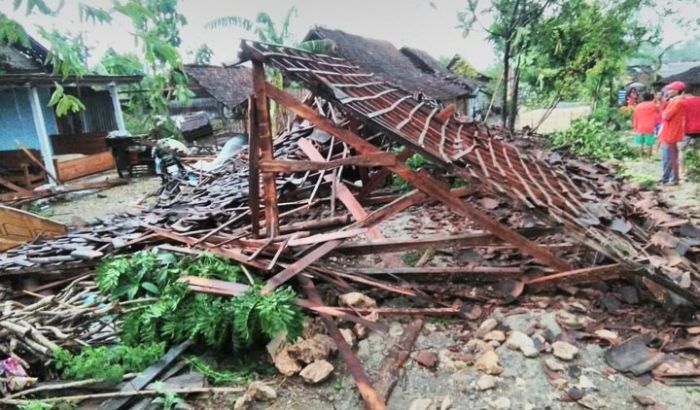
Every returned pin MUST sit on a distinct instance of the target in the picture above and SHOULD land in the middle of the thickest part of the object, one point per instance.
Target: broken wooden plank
(143, 379)
(585, 275)
(447, 311)
(373, 218)
(432, 241)
(214, 286)
(370, 160)
(393, 363)
(497, 272)
(266, 148)
(421, 181)
(14, 187)
(372, 399)
(324, 237)
(377, 180)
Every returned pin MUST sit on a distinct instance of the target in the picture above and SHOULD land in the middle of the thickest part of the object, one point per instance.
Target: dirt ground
(685, 195)
(94, 204)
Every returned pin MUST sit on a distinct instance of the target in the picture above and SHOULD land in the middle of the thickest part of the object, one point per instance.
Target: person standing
(644, 121)
(672, 132)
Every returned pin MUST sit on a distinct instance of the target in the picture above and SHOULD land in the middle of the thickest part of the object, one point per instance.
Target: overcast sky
(426, 24)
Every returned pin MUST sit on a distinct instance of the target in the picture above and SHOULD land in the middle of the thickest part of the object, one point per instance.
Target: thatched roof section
(428, 64)
(231, 86)
(386, 61)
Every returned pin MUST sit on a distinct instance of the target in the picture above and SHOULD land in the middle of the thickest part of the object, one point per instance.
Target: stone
(495, 335)
(316, 372)
(548, 322)
(486, 382)
(426, 359)
(569, 320)
(446, 403)
(644, 401)
(255, 391)
(421, 404)
(501, 403)
(575, 393)
(486, 326)
(629, 294)
(318, 347)
(477, 346)
(564, 350)
(361, 331)
(349, 337)
(448, 362)
(521, 341)
(606, 334)
(488, 363)
(357, 300)
(585, 383)
(261, 391)
(285, 363)
(276, 344)
(553, 364)
(593, 402)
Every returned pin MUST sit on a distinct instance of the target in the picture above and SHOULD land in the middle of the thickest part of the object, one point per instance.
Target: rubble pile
(309, 206)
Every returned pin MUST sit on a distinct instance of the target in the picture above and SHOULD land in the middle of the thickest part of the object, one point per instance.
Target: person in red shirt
(672, 132)
(691, 105)
(644, 121)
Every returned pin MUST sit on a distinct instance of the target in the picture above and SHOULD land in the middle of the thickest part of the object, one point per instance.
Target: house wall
(16, 121)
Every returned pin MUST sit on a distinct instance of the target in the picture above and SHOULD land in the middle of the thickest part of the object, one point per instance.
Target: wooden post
(118, 115)
(40, 126)
(263, 123)
(253, 172)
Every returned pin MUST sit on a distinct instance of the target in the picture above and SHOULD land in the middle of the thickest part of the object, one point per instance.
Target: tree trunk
(514, 97)
(506, 69)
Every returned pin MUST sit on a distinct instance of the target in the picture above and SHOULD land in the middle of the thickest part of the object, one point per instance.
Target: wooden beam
(266, 149)
(497, 272)
(585, 275)
(423, 182)
(372, 399)
(13, 187)
(377, 180)
(325, 237)
(370, 160)
(393, 363)
(375, 246)
(372, 219)
(253, 174)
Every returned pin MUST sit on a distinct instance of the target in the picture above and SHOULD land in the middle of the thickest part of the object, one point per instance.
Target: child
(646, 118)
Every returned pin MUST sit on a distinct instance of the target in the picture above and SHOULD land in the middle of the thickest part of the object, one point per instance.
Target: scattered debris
(489, 363)
(564, 350)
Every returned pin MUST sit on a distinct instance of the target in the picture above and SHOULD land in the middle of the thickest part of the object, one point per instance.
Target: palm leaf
(230, 21)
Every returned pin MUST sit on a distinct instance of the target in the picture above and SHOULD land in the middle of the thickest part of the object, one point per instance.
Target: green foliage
(592, 139)
(39, 5)
(691, 162)
(203, 55)
(411, 258)
(64, 103)
(109, 363)
(67, 54)
(35, 405)
(142, 274)
(11, 32)
(415, 162)
(244, 373)
(178, 314)
(94, 14)
(168, 400)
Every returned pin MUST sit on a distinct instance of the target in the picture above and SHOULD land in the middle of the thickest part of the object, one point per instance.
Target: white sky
(426, 24)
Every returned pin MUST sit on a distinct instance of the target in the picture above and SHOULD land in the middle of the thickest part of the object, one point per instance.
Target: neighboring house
(221, 92)
(386, 61)
(688, 72)
(70, 146)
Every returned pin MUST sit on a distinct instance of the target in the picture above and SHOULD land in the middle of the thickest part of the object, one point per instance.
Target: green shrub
(109, 363)
(592, 139)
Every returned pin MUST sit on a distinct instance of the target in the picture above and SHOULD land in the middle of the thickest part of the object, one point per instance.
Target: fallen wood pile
(305, 205)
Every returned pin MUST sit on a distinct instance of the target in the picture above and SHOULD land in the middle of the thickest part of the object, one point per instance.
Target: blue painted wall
(16, 122)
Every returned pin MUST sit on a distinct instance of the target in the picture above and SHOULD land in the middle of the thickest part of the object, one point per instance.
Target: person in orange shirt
(672, 132)
(644, 121)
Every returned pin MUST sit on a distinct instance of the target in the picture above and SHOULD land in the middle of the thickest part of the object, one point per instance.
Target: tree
(583, 48)
(513, 23)
(203, 55)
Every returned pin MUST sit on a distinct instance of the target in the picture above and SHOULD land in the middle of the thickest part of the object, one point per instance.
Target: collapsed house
(278, 211)
(68, 146)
